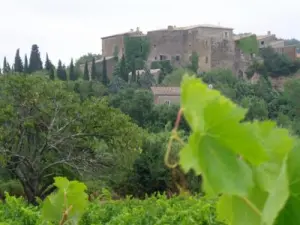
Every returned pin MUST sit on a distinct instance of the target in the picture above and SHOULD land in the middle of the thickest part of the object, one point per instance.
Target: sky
(67, 29)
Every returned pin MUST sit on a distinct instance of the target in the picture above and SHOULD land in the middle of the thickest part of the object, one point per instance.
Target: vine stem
(174, 136)
(251, 205)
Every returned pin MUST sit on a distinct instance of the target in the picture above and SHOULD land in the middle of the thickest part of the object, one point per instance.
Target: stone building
(166, 95)
(114, 44)
(213, 44)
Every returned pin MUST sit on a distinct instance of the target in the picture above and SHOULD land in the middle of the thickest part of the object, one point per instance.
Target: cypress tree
(104, 72)
(26, 69)
(18, 67)
(4, 65)
(86, 75)
(64, 72)
(35, 62)
(72, 73)
(93, 69)
(51, 73)
(123, 69)
(48, 63)
(60, 71)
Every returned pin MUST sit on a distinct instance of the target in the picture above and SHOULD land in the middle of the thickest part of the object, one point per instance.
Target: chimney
(269, 32)
(138, 29)
(170, 27)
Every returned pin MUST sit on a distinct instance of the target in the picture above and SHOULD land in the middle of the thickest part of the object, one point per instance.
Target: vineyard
(250, 170)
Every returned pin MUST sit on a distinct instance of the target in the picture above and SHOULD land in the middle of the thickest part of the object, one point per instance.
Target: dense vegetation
(59, 121)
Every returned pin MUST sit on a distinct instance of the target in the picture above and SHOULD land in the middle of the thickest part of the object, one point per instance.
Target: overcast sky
(70, 28)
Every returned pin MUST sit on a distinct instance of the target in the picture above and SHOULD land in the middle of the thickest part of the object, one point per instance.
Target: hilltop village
(215, 46)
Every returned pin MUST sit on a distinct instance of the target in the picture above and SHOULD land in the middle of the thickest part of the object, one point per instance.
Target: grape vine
(253, 166)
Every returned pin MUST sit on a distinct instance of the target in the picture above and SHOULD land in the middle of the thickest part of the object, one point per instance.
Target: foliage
(194, 62)
(137, 49)
(87, 58)
(93, 70)
(157, 209)
(26, 67)
(104, 80)
(123, 69)
(47, 130)
(72, 73)
(257, 163)
(174, 79)
(18, 66)
(278, 64)
(248, 44)
(67, 204)
(61, 72)
(86, 74)
(35, 62)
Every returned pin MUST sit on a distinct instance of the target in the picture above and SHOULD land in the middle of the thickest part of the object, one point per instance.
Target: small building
(166, 95)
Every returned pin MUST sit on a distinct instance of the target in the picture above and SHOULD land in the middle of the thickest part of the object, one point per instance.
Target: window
(168, 102)
(226, 34)
(154, 46)
(177, 57)
(190, 44)
(205, 44)
(141, 48)
(206, 59)
(162, 57)
(155, 58)
(262, 42)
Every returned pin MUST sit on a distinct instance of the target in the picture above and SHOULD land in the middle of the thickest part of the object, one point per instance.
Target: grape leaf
(237, 210)
(290, 214)
(69, 193)
(277, 142)
(222, 171)
(211, 114)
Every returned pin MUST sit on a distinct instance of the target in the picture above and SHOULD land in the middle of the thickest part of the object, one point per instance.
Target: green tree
(26, 68)
(60, 71)
(52, 73)
(48, 63)
(93, 70)
(105, 80)
(123, 69)
(174, 79)
(35, 62)
(194, 62)
(86, 74)
(72, 73)
(47, 131)
(18, 62)
(4, 67)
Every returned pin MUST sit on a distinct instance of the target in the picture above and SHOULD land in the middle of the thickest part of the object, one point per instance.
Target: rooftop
(166, 90)
(193, 27)
(131, 32)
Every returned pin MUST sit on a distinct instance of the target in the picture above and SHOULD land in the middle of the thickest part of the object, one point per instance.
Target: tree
(93, 70)
(72, 74)
(35, 62)
(46, 131)
(26, 69)
(52, 73)
(60, 71)
(174, 79)
(4, 68)
(123, 69)
(104, 73)
(48, 63)
(18, 66)
(86, 74)
(194, 62)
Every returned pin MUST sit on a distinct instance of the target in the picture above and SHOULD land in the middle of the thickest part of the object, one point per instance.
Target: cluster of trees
(109, 133)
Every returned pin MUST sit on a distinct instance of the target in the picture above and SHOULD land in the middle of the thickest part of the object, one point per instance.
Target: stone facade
(166, 95)
(116, 42)
(213, 44)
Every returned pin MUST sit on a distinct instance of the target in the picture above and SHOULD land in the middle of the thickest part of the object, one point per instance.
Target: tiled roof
(165, 90)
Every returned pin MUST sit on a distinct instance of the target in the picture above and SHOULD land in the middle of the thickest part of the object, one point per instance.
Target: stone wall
(109, 44)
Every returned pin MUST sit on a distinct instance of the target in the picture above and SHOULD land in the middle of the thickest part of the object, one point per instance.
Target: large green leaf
(214, 115)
